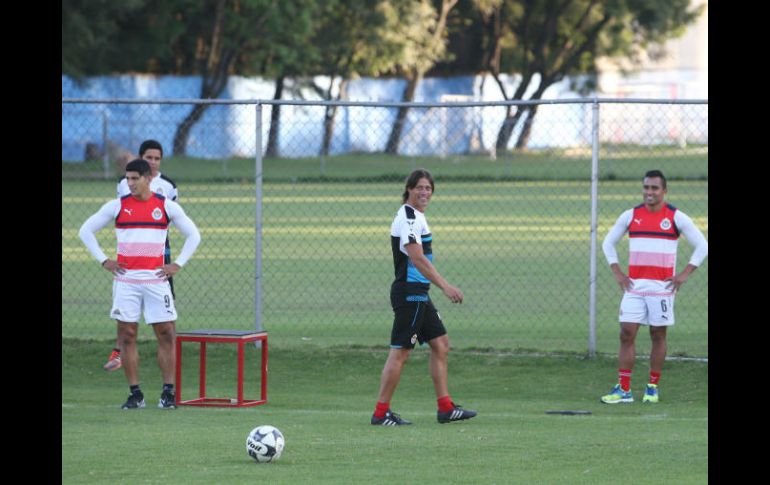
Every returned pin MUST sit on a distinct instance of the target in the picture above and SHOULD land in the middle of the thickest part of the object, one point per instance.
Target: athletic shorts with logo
(154, 300)
(649, 302)
(415, 320)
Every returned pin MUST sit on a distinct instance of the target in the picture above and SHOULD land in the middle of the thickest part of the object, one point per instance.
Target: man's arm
(695, 237)
(426, 268)
(192, 238)
(608, 246)
(92, 225)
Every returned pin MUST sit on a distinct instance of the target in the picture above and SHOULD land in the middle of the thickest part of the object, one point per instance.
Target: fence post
(258, 227)
(594, 227)
(105, 140)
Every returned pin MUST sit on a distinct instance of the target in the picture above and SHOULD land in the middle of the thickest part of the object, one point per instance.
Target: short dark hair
(150, 144)
(413, 178)
(656, 173)
(138, 165)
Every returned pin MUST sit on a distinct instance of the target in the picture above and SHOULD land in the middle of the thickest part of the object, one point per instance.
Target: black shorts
(415, 319)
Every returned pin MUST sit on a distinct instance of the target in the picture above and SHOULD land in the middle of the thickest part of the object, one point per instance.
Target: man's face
(137, 184)
(153, 157)
(653, 192)
(420, 194)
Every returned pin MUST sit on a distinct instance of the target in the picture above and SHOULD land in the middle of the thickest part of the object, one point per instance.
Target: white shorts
(129, 298)
(656, 309)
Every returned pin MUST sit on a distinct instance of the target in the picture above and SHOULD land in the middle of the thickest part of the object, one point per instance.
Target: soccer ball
(265, 444)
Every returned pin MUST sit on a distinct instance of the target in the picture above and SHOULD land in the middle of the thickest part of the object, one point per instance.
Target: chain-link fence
(511, 214)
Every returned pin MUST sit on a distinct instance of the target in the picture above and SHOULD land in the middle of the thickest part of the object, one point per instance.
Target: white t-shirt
(410, 226)
(160, 184)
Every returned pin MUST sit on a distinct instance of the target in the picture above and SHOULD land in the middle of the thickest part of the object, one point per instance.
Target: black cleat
(134, 401)
(457, 413)
(167, 400)
(390, 419)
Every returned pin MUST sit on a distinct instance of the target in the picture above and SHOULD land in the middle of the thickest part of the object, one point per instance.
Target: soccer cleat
(457, 413)
(617, 395)
(167, 400)
(390, 419)
(114, 362)
(651, 394)
(134, 401)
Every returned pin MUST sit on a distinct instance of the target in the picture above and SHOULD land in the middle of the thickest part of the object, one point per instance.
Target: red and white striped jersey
(653, 244)
(141, 228)
(653, 241)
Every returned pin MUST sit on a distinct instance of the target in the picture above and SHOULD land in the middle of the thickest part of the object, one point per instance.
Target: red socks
(445, 404)
(654, 377)
(624, 376)
(381, 409)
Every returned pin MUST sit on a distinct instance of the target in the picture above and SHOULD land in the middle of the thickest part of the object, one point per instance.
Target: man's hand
(453, 293)
(167, 270)
(623, 281)
(113, 266)
(678, 279)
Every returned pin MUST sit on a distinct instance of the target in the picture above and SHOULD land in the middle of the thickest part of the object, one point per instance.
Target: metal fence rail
(295, 233)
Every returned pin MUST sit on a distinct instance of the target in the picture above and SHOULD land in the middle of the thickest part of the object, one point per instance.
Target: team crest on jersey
(665, 224)
(157, 214)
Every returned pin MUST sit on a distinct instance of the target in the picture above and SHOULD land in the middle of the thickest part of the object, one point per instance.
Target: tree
(420, 30)
(219, 34)
(213, 39)
(546, 40)
(290, 53)
(90, 35)
(353, 40)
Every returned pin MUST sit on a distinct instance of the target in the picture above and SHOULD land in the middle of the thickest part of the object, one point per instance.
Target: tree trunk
(330, 116)
(398, 127)
(506, 130)
(210, 89)
(526, 131)
(275, 121)
(214, 79)
(530, 112)
(504, 135)
(184, 128)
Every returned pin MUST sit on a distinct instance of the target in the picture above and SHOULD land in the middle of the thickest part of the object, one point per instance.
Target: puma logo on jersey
(128, 211)
(638, 221)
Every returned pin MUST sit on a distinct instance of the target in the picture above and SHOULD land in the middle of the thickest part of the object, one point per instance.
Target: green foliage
(348, 36)
(185, 36)
(356, 37)
(414, 29)
(557, 41)
(91, 34)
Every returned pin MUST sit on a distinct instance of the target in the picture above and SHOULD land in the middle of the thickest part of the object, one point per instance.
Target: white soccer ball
(265, 444)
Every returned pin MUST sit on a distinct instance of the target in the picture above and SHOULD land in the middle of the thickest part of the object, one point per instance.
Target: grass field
(512, 233)
(519, 251)
(322, 399)
(618, 162)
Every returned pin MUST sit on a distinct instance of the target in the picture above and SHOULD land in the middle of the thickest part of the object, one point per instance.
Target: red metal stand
(239, 337)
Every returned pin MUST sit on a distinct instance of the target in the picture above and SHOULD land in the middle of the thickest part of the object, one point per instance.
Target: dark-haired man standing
(140, 285)
(152, 152)
(649, 288)
(415, 317)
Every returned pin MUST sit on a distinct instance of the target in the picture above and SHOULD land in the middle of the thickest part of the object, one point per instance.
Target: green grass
(518, 250)
(322, 399)
(617, 162)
